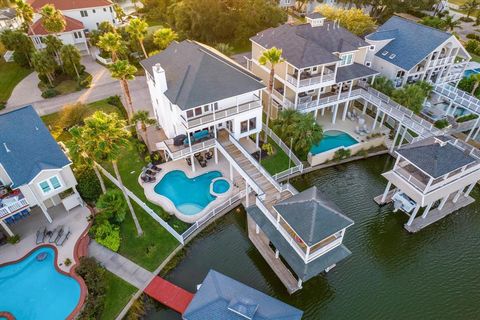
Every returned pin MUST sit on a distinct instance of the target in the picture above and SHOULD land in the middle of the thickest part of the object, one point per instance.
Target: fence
(144, 206)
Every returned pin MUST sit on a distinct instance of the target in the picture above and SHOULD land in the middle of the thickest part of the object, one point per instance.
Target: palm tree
(44, 64)
(25, 13)
(53, 46)
(77, 150)
(137, 28)
(71, 58)
(163, 37)
(123, 71)
(410, 96)
(384, 85)
(52, 19)
(112, 43)
(476, 82)
(105, 136)
(450, 24)
(144, 119)
(470, 6)
(272, 57)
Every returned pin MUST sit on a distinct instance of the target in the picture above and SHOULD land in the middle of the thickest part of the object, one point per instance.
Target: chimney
(160, 77)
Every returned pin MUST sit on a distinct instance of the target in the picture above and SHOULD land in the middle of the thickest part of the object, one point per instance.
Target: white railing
(186, 151)
(105, 61)
(213, 213)
(12, 208)
(440, 62)
(221, 114)
(411, 179)
(255, 163)
(144, 206)
(310, 81)
(459, 97)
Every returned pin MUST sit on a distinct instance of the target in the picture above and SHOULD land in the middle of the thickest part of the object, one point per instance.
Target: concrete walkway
(120, 266)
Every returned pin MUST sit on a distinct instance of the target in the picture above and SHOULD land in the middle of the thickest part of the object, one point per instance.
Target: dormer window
(384, 53)
(372, 48)
(392, 56)
(347, 59)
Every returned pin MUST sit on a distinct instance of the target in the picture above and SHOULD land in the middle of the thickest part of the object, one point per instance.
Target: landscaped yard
(118, 294)
(277, 162)
(10, 75)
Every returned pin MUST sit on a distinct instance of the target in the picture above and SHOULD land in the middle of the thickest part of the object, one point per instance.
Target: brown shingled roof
(72, 24)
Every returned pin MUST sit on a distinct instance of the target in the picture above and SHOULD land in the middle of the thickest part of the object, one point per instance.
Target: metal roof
(196, 75)
(27, 147)
(223, 298)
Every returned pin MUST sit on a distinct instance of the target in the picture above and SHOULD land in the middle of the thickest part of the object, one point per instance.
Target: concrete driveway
(103, 86)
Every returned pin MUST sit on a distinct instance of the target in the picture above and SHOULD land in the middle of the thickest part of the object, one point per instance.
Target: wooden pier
(388, 199)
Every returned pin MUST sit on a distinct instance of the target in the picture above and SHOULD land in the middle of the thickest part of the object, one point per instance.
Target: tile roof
(69, 4)
(410, 42)
(312, 215)
(304, 271)
(223, 298)
(27, 147)
(71, 25)
(305, 46)
(353, 71)
(434, 158)
(196, 75)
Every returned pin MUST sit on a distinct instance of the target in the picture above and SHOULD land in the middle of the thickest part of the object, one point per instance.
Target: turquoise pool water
(221, 186)
(333, 139)
(468, 73)
(190, 196)
(32, 289)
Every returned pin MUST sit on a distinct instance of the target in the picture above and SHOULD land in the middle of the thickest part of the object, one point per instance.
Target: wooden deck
(388, 199)
(260, 241)
(436, 215)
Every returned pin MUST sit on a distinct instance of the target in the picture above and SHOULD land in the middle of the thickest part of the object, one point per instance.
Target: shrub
(268, 148)
(67, 262)
(341, 154)
(3, 105)
(473, 36)
(106, 234)
(467, 117)
(72, 115)
(112, 206)
(466, 19)
(85, 80)
(50, 93)
(21, 59)
(14, 239)
(115, 101)
(471, 45)
(224, 48)
(440, 124)
(362, 153)
(94, 277)
(88, 185)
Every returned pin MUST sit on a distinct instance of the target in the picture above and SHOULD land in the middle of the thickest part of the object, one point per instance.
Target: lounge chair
(61, 240)
(41, 235)
(153, 167)
(57, 233)
(148, 179)
(150, 172)
(357, 130)
(208, 155)
(189, 161)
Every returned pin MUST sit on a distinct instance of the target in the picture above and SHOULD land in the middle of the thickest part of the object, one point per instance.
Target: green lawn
(475, 57)
(10, 75)
(118, 294)
(277, 162)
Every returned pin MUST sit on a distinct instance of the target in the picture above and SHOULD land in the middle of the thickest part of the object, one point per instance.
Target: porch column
(427, 209)
(350, 89)
(459, 193)
(215, 152)
(454, 109)
(247, 192)
(365, 106)
(345, 110)
(334, 118)
(473, 129)
(396, 137)
(323, 112)
(340, 90)
(257, 140)
(192, 160)
(413, 215)
(449, 107)
(402, 137)
(373, 79)
(375, 120)
(385, 193)
(299, 284)
(315, 114)
(277, 254)
(442, 203)
(382, 119)
(45, 212)
(470, 188)
(231, 172)
(476, 133)
(7, 229)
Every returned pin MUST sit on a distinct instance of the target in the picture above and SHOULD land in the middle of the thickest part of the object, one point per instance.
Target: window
(93, 10)
(104, 9)
(252, 124)
(243, 126)
(384, 53)
(393, 55)
(98, 24)
(49, 185)
(111, 9)
(198, 111)
(189, 113)
(77, 35)
(83, 13)
(346, 59)
(215, 106)
(205, 108)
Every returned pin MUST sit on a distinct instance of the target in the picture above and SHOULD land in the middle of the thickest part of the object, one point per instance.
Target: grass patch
(277, 162)
(10, 75)
(118, 292)
(475, 57)
(67, 86)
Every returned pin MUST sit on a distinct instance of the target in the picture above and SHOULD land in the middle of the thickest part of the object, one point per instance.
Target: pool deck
(27, 228)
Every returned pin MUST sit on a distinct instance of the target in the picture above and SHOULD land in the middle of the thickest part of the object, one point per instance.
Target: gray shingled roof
(223, 298)
(7, 13)
(27, 147)
(410, 42)
(302, 270)
(312, 216)
(434, 159)
(305, 46)
(315, 15)
(197, 76)
(354, 71)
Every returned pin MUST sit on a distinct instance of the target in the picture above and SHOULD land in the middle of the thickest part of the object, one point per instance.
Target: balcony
(12, 202)
(177, 152)
(220, 114)
(440, 62)
(307, 80)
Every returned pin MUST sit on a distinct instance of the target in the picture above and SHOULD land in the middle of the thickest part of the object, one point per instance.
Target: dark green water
(391, 274)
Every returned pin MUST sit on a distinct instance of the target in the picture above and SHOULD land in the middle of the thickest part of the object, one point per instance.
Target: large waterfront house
(221, 297)
(321, 61)
(80, 17)
(301, 238)
(34, 171)
(196, 92)
(435, 175)
(405, 52)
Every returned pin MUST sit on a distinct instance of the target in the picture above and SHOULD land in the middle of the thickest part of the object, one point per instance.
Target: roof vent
(384, 53)
(393, 55)
(6, 148)
(243, 307)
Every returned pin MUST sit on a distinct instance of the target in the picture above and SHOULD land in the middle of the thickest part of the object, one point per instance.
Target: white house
(34, 170)
(196, 91)
(406, 52)
(9, 19)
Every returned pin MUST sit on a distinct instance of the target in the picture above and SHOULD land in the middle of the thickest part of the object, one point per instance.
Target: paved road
(103, 86)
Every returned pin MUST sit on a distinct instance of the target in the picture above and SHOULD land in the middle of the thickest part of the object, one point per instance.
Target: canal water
(391, 274)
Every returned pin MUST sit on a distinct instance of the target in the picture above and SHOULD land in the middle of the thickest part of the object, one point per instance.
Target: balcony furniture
(197, 137)
(61, 240)
(208, 155)
(178, 140)
(41, 233)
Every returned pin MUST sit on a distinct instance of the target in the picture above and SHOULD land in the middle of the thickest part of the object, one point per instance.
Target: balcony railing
(178, 152)
(440, 62)
(221, 114)
(13, 204)
(310, 80)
